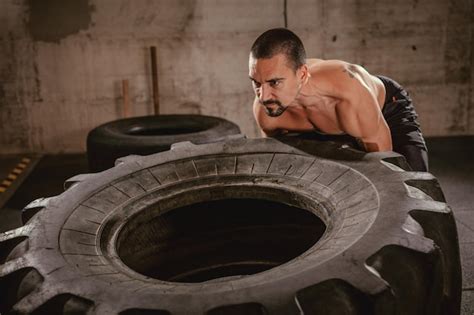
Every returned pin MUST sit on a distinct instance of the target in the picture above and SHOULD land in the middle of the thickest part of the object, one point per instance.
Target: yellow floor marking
(20, 167)
(6, 182)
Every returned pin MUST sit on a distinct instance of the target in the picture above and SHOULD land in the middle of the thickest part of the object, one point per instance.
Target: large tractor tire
(238, 227)
(151, 134)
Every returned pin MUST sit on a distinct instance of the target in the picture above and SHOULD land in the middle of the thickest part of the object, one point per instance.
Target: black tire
(151, 134)
(372, 238)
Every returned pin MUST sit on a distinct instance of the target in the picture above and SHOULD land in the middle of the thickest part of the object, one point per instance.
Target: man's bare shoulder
(336, 76)
(328, 75)
(322, 65)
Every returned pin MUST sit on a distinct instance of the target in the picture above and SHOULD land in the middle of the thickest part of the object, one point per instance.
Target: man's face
(275, 83)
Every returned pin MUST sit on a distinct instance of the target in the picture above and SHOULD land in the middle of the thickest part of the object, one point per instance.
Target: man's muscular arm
(359, 113)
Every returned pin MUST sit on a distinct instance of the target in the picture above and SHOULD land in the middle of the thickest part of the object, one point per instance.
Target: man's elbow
(269, 133)
(377, 141)
(377, 145)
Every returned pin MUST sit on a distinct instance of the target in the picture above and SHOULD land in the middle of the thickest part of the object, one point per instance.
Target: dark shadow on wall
(53, 20)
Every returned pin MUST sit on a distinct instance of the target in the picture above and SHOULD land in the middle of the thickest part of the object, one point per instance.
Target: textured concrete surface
(61, 63)
(451, 162)
(52, 20)
(467, 307)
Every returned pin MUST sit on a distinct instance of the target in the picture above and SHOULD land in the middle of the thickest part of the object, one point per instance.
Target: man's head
(280, 41)
(277, 68)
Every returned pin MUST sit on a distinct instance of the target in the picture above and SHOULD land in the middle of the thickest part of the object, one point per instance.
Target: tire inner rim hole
(217, 239)
(140, 131)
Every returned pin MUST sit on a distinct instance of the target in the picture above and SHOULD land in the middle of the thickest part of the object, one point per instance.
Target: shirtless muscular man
(295, 94)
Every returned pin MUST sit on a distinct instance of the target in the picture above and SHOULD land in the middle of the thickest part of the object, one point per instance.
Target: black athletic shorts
(401, 118)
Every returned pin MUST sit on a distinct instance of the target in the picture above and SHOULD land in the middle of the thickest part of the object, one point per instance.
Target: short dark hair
(280, 41)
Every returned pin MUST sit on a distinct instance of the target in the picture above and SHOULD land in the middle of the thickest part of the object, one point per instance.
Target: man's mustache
(271, 102)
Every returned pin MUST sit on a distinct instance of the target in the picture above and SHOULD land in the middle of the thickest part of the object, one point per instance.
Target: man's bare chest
(321, 115)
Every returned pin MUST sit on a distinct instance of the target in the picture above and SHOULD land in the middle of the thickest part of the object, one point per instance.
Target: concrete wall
(62, 62)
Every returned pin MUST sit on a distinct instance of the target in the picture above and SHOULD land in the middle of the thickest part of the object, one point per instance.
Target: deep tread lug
(239, 309)
(34, 207)
(137, 311)
(333, 297)
(50, 302)
(13, 265)
(70, 182)
(430, 187)
(17, 285)
(396, 163)
(411, 277)
(132, 158)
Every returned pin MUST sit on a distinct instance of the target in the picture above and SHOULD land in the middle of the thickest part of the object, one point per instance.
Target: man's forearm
(271, 133)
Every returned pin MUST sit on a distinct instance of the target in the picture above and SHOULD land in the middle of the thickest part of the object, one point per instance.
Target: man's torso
(318, 105)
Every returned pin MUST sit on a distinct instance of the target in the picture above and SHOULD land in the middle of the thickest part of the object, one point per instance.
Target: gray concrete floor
(451, 161)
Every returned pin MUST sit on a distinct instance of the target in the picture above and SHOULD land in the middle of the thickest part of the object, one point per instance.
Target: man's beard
(274, 112)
